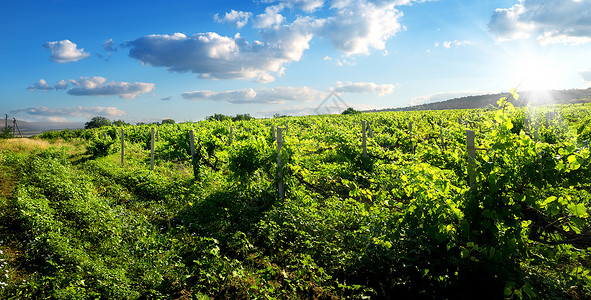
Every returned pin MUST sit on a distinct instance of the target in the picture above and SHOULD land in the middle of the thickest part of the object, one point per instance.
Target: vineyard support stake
(192, 144)
(122, 144)
(364, 138)
(280, 187)
(412, 146)
(471, 148)
(231, 138)
(152, 149)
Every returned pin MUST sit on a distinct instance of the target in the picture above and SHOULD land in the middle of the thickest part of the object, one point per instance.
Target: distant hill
(528, 97)
(35, 128)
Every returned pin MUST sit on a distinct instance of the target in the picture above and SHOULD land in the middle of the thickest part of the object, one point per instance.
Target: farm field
(247, 211)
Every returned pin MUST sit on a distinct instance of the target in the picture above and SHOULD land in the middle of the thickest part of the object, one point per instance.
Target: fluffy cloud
(265, 95)
(109, 45)
(65, 51)
(280, 95)
(97, 86)
(305, 5)
(351, 26)
(238, 18)
(40, 85)
(220, 57)
(454, 43)
(357, 26)
(567, 22)
(61, 85)
(58, 114)
(271, 18)
(365, 88)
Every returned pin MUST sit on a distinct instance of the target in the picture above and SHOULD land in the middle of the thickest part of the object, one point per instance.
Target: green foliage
(168, 121)
(6, 133)
(97, 122)
(242, 117)
(351, 111)
(401, 220)
(218, 117)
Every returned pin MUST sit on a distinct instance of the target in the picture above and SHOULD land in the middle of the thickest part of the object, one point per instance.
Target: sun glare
(537, 74)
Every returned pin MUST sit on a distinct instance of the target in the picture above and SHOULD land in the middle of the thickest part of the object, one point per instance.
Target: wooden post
(157, 135)
(364, 138)
(152, 150)
(192, 144)
(231, 135)
(412, 146)
(441, 135)
(19, 130)
(273, 132)
(122, 145)
(286, 128)
(471, 148)
(280, 187)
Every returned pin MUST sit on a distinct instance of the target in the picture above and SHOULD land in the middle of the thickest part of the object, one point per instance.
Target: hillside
(571, 96)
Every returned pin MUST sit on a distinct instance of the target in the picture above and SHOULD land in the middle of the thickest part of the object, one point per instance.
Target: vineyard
(372, 205)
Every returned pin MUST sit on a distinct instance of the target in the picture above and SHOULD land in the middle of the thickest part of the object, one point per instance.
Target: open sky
(144, 61)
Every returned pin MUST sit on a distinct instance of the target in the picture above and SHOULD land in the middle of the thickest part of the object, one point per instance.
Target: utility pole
(6, 122)
(16, 126)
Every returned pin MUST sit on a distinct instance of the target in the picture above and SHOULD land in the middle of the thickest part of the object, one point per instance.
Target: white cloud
(554, 38)
(280, 95)
(237, 18)
(40, 85)
(351, 26)
(454, 43)
(220, 57)
(264, 95)
(359, 25)
(59, 114)
(365, 88)
(65, 51)
(96, 86)
(308, 6)
(109, 45)
(271, 18)
(567, 22)
(61, 85)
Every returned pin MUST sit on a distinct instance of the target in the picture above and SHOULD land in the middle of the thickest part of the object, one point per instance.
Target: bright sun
(537, 73)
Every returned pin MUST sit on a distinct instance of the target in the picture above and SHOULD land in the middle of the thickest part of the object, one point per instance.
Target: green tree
(350, 111)
(97, 122)
(168, 121)
(120, 123)
(242, 117)
(218, 117)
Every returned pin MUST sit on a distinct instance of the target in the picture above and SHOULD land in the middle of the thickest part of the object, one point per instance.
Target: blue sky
(143, 61)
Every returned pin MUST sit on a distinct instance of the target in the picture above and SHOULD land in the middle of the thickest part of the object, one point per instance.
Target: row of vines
(398, 220)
